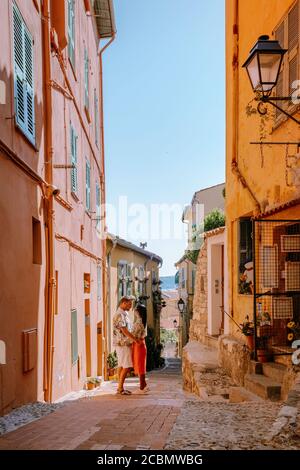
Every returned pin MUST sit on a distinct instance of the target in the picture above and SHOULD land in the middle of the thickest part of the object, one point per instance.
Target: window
(124, 279)
(23, 76)
(36, 242)
(141, 276)
(182, 278)
(86, 283)
(71, 31)
(88, 186)
(287, 33)
(74, 337)
(98, 207)
(96, 104)
(86, 79)
(245, 256)
(74, 171)
(99, 282)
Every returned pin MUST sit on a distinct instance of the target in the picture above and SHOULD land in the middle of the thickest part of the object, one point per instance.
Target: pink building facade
(52, 184)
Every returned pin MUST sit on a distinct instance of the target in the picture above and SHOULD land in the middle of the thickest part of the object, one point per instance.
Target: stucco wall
(23, 282)
(264, 172)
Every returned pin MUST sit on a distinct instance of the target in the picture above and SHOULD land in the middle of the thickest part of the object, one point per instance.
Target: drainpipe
(235, 107)
(103, 199)
(49, 212)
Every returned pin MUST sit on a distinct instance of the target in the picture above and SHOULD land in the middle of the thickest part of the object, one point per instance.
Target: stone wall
(234, 357)
(198, 324)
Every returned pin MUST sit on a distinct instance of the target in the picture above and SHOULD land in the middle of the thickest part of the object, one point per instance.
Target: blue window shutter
(88, 185)
(23, 76)
(74, 336)
(74, 179)
(98, 208)
(71, 31)
(86, 79)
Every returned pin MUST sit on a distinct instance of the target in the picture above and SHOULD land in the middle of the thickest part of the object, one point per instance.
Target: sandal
(124, 392)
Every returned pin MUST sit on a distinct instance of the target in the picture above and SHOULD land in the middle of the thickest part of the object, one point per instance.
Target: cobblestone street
(166, 418)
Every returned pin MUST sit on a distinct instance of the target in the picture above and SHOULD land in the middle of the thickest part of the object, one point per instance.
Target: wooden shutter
(279, 90)
(86, 79)
(71, 31)
(293, 73)
(279, 34)
(74, 336)
(23, 76)
(88, 185)
(74, 177)
(293, 27)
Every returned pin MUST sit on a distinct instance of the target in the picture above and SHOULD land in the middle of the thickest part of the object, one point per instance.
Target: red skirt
(139, 358)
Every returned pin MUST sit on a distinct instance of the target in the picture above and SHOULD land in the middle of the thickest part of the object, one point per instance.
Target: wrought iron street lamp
(180, 305)
(263, 67)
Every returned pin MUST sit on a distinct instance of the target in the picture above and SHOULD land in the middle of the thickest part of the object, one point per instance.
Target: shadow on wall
(22, 257)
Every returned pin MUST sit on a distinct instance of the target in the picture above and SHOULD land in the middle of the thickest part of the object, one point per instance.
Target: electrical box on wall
(29, 349)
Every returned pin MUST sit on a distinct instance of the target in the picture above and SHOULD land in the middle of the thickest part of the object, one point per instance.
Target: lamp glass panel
(253, 72)
(269, 68)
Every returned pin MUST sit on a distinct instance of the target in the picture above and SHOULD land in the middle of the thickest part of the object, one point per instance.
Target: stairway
(265, 379)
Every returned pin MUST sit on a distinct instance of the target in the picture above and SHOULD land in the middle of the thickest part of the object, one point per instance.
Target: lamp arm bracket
(269, 100)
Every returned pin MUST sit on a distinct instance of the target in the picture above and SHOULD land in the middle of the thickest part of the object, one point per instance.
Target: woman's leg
(143, 382)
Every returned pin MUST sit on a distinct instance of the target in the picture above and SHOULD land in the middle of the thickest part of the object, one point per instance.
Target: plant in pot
(247, 328)
(92, 382)
(264, 354)
(112, 363)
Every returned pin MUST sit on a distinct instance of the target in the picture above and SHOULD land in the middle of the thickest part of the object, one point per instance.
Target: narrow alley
(165, 418)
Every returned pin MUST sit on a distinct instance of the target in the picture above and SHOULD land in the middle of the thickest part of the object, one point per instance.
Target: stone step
(263, 386)
(274, 371)
(280, 358)
(255, 367)
(240, 394)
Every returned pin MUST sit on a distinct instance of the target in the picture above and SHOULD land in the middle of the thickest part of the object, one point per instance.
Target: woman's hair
(142, 311)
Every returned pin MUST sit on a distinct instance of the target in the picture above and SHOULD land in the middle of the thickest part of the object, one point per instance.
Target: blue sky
(164, 106)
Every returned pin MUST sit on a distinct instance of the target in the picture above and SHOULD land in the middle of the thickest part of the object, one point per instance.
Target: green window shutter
(74, 336)
(96, 104)
(71, 31)
(86, 79)
(88, 185)
(98, 208)
(23, 76)
(74, 176)
(99, 282)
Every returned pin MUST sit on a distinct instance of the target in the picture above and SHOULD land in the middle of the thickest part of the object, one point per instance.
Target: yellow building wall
(263, 168)
(119, 253)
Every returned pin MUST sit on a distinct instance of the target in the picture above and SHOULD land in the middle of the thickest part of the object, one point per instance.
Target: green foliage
(112, 360)
(168, 336)
(214, 219)
(153, 351)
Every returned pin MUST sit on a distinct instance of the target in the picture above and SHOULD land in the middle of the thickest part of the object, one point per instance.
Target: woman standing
(139, 349)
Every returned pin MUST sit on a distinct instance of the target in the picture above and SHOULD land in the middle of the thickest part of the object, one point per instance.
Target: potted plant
(92, 382)
(247, 328)
(112, 363)
(264, 354)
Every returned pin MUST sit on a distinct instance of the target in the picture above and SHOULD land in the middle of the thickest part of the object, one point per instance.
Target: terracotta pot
(250, 342)
(263, 355)
(90, 386)
(111, 372)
